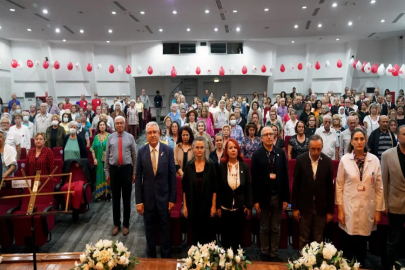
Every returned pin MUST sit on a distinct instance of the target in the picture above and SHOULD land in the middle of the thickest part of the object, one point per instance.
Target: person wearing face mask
(66, 119)
(22, 130)
(74, 147)
(26, 122)
(236, 130)
(55, 134)
(81, 131)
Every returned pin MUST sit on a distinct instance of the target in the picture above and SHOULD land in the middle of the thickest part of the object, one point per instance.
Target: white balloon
(271, 68)
(290, 68)
(359, 65)
(162, 72)
(209, 71)
(401, 72)
(309, 66)
(232, 70)
(77, 66)
(37, 63)
(367, 68)
(254, 69)
(351, 61)
(381, 70)
(99, 66)
(139, 70)
(187, 71)
(327, 65)
(20, 64)
(388, 70)
(120, 69)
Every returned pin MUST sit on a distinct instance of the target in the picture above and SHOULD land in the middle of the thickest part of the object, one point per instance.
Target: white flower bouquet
(213, 257)
(323, 256)
(106, 255)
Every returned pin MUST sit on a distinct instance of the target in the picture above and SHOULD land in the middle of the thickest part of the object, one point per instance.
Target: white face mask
(72, 131)
(55, 123)
(232, 122)
(65, 120)
(25, 118)
(18, 111)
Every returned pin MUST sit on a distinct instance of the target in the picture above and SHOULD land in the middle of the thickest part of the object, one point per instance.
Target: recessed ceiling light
(372, 2)
(266, 9)
(293, 41)
(81, 31)
(337, 39)
(382, 20)
(45, 11)
(334, 5)
(350, 24)
(174, 12)
(207, 11)
(235, 11)
(160, 30)
(12, 9)
(237, 29)
(216, 29)
(108, 41)
(29, 30)
(64, 40)
(0, 27)
(142, 12)
(296, 26)
(320, 25)
(304, 7)
(113, 12)
(110, 31)
(188, 29)
(57, 30)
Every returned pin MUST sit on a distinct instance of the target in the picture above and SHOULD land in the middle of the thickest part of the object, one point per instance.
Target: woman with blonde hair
(205, 116)
(55, 134)
(371, 121)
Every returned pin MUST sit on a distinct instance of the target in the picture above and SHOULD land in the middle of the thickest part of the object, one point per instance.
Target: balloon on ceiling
(198, 71)
(111, 69)
(128, 70)
(244, 70)
(56, 65)
(150, 70)
(282, 68)
(70, 66)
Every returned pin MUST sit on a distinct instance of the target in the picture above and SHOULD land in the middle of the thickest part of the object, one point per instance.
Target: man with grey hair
(13, 99)
(175, 114)
(52, 107)
(282, 109)
(345, 136)
(119, 167)
(329, 137)
(13, 138)
(42, 120)
(155, 190)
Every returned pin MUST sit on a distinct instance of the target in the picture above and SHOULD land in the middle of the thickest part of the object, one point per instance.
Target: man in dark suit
(384, 108)
(348, 109)
(376, 94)
(270, 191)
(312, 197)
(155, 189)
(390, 105)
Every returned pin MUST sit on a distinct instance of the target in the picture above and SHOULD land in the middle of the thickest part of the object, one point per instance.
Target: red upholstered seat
(57, 153)
(32, 142)
(217, 130)
(6, 225)
(23, 153)
(286, 140)
(335, 164)
(249, 163)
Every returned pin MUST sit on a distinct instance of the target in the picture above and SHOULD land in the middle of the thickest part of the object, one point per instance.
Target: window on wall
(234, 48)
(218, 48)
(226, 48)
(170, 48)
(187, 48)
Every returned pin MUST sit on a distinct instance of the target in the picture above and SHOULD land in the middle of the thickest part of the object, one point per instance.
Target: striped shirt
(384, 143)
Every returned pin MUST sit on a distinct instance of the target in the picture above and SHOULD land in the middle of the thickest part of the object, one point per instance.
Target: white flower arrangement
(213, 257)
(106, 255)
(321, 256)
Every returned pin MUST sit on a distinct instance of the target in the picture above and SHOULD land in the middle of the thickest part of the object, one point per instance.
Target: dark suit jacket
(261, 177)
(348, 109)
(393, 107)
(155, 190)
(305, 188)
(384, 109)
(242, 195)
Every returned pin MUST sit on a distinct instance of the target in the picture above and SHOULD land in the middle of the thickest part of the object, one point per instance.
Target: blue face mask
(243, 102)
(79, 125)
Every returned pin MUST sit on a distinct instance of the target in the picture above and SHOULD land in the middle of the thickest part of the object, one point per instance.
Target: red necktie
(120, 150)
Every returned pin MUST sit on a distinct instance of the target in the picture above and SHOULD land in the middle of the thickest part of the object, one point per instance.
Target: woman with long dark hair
(182, 150)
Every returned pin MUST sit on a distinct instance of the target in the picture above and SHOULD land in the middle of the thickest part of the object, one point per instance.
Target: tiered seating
(217, 130)
(23, 153)
(57, 153)
(7, 206)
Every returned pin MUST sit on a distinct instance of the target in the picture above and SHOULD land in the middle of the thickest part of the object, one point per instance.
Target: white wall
(5, 72)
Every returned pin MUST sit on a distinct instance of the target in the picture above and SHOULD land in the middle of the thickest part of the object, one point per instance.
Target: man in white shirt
(330, 139)
(12, 139)
(42, 120)
(346, 135)
(22, 131)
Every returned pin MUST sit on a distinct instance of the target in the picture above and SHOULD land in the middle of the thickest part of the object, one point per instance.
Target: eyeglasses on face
(268, 135)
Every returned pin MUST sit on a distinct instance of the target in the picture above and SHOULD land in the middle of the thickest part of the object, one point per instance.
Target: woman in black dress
(278, 142)
(311, 126)
(199, 193)
(307, 112)
(298, 143)
(218, 152)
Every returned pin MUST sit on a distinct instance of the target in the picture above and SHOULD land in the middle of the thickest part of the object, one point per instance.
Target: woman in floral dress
(250, 142)
(97, 149)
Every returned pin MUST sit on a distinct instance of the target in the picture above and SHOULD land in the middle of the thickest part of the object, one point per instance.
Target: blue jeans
(395, 226)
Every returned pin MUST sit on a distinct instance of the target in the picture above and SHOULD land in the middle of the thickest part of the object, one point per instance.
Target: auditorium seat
(286, 140)
(249, 163)
(335, 164)
(57, 153)
(32, 142)
(91, 140)
(23, 153)
(217, 130)
(6, 207)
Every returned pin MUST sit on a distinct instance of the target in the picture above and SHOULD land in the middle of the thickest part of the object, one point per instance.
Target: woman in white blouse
(289, 128)
(371, 121)
(221, 118)
(22, 130)
(359, 196)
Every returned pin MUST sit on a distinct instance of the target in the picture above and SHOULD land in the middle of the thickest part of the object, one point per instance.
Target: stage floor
(65, 261)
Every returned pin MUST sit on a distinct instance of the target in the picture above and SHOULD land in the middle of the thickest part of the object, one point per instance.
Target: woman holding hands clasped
(359, 196)
(199, 193)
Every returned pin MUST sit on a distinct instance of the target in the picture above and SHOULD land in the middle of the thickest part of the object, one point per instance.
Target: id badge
(272, 176)
(361, 187)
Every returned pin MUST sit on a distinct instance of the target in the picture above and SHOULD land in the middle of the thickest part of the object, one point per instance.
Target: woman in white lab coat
(359, 196)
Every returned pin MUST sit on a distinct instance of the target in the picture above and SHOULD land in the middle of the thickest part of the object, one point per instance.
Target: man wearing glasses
(329, 137)
(270, 192)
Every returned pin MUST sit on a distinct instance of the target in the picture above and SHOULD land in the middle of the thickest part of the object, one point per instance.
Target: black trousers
(140, 122)
(354, 247)
(121, 183)
(233, 223)
(151, 219)
(395, 227)
(201, 229)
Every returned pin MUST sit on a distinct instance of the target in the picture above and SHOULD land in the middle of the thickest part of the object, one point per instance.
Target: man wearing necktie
(119, 167)
(390, 104)
(155, 190)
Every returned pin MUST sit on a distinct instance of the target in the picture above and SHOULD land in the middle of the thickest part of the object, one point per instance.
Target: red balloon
(111, 69)
(128, 70)
(317, 65)
(355, 63)
(89, 67)
(45, 64)
(56, 65)
(300, 66)
(374, 68)
(395, 70)
(173, 72)
(70, 66)
(198, 71)
(264, 69)
(150, 70)
(244, 69)
(14, 63)
(339, 63)
(221, 71)
(282, 68)
(362, 66)
(30, 64)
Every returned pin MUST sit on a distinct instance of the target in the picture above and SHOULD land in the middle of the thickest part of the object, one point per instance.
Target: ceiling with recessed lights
(127, 21)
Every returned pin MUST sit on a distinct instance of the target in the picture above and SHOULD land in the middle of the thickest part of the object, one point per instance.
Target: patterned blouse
(43, 163)
(297, 147)
(132, 114)
(222, 119)
(248, 146)
(237, 134)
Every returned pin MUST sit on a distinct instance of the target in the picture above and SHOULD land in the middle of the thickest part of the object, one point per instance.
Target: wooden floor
(65, 261)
